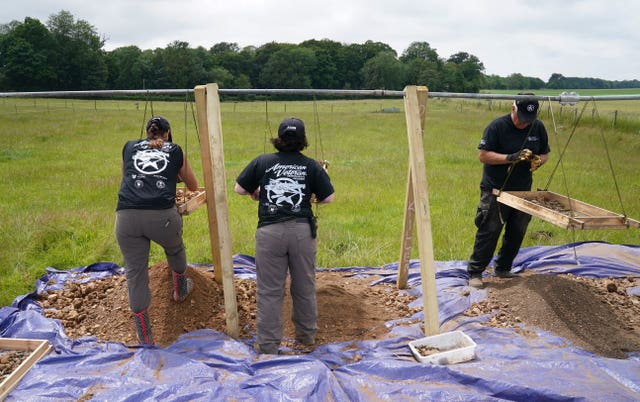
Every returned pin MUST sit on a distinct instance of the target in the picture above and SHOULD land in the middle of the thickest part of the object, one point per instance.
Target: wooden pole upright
(410, 210)
(212, 155)
(417, 208)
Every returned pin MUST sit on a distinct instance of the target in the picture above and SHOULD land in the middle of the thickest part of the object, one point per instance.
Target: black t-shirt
(149, 175)
(286, 181)
(502, 136)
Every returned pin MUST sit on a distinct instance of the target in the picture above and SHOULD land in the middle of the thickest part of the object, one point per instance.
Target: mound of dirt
(348, 308)
(595, 314)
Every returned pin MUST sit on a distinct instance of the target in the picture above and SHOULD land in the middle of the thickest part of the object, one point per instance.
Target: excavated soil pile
(594, 314)
(349, 309)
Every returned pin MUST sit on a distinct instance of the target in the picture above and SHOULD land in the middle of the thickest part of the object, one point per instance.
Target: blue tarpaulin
(209, 365)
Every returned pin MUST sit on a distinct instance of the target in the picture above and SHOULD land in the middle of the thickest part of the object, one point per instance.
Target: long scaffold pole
(565, 98)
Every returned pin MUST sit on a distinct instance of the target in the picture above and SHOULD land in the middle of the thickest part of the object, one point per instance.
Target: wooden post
(212, 153)
(415, 126)
(407, 235)
(409, 209)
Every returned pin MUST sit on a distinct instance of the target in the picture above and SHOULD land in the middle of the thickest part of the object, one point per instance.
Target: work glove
(535, 161)
(519, 156)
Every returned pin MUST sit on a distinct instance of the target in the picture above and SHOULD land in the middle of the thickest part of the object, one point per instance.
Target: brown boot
(182, 286)
(143, 328)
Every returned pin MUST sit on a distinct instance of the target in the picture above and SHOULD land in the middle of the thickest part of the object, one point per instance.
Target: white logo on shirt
(285, 190)
(150, 161)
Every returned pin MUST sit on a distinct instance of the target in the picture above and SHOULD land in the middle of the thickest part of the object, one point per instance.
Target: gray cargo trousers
(281, 249)
(135, 230)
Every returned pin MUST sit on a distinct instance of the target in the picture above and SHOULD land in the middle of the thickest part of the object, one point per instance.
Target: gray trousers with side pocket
(135, 230)
(282, 249)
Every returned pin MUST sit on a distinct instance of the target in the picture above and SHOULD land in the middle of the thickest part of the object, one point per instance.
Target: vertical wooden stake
(407, 234)
(415, 101)
(212, 153)
(409, 209)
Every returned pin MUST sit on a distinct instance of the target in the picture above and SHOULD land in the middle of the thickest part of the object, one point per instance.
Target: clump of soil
(594, 314)
(348, 308)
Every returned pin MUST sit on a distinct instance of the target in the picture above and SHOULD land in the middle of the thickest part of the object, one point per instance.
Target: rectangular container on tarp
(37, 348)
(453, 347)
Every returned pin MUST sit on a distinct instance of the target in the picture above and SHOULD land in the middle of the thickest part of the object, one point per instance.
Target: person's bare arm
(327, 200)
(240, 190)
(544, 158)
(492, 158)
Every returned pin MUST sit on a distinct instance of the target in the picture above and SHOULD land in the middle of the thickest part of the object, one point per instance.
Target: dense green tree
(495, 82)
(426, 73)
(517, 81)
(221, 76)
(261, 56)
(326, 74)
(423, 66)
(26, 55)
(127, 68)
(420, 51)
(235, 61)
(351, 61)
(556, 81)
(80, 60)
(289, 67)
(181, 66)
(466, 73)
(383, 71)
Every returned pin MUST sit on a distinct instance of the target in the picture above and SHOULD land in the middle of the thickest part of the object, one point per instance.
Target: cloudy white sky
(576, 38)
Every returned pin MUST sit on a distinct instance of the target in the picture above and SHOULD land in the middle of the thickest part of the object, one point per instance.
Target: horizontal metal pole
(341, 92)
(66, 94)
(82, 94)
(564, 97)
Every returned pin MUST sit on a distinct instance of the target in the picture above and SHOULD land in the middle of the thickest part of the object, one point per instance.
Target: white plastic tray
(455, 347)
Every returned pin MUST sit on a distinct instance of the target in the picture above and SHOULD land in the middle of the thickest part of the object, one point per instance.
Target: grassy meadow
(60, 162)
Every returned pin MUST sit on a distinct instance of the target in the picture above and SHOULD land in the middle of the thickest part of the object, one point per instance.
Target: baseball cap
(291, 127)
(161, 123)
(527, 109)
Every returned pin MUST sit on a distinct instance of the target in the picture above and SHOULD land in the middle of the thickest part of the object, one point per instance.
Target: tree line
(67, 54)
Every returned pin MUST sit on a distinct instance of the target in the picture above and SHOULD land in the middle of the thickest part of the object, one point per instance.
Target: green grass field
(60, 162)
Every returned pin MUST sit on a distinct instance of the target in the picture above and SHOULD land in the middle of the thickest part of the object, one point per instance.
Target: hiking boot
(143, 328)
(307, 341)
(475, 282)
(182, 286)
(271, 349)
(506, 274)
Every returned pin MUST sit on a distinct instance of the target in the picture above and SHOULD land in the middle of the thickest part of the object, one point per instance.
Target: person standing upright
(283, 183)
(512, 147)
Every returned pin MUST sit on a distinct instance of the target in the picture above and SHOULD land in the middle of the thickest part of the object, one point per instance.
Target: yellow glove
(536, 161)
(523, 155)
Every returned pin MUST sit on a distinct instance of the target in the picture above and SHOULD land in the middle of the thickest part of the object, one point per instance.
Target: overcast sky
(576, 38)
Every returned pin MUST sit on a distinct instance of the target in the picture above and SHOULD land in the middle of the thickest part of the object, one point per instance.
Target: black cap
(291, 127)
(527, 109)
(160, 122)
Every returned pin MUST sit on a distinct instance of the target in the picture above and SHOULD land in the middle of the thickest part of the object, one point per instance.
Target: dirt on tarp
(348, 308)
(594, 314)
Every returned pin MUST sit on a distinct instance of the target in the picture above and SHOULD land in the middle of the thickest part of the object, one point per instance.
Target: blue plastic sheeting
(208, 365)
